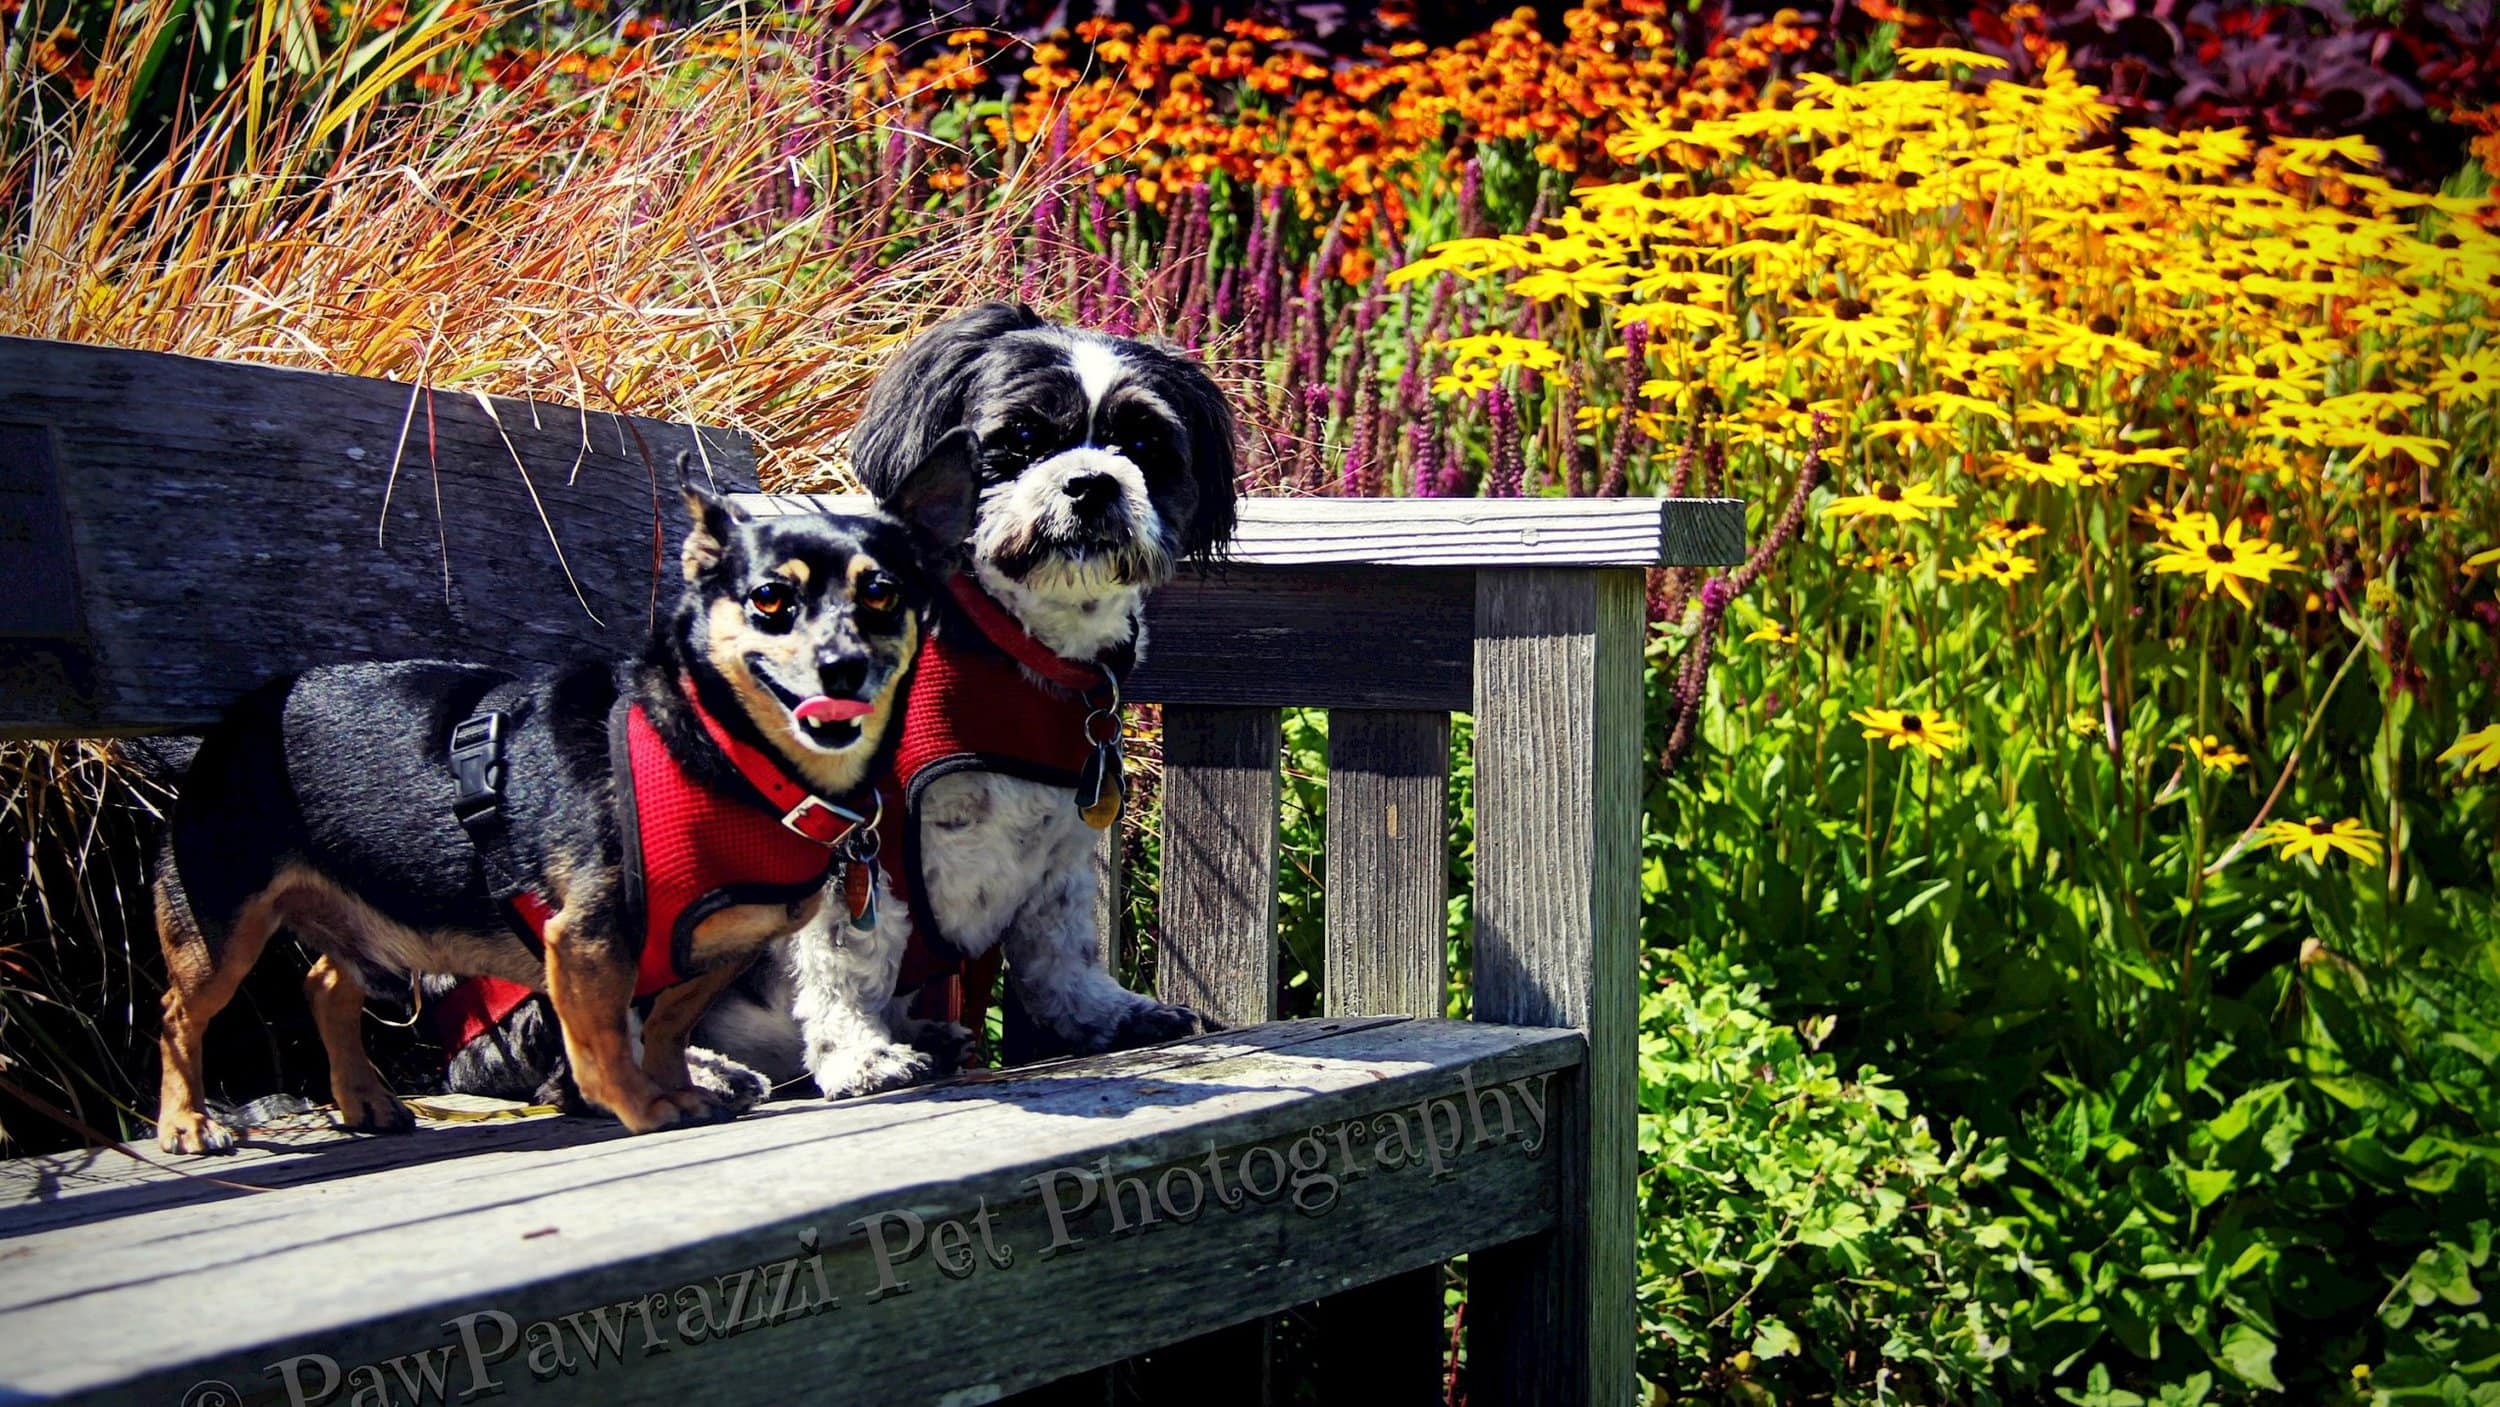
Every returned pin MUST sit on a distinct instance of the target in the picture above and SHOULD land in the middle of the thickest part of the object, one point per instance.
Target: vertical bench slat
(1386, 920)
(1558, 783)
(1387, 893)
(1110, 896)
(1221, 799)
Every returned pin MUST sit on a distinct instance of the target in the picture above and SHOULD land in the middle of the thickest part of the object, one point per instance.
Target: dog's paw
(732, 1083)
(374, 1110)
(679, 1108)
(194, 1133)
(1150, 1022)
(868, 1069)
(948, 1046)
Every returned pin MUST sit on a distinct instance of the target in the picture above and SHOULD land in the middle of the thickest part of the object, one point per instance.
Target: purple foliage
(2311, 68)
(1506, 470)
(1628, 435)
(1423, 442)
(1362, 467)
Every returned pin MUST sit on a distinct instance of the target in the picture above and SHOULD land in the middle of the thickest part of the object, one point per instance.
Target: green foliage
(2239, 1115)
(1804, 1235)
(1925, 1119)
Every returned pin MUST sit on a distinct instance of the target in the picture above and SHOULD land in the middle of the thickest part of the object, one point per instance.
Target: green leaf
(2442, 1271)
(1773, 1339)
(2209, 1185)
(2249, 1356)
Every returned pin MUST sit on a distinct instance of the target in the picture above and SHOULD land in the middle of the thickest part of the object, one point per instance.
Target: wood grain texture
(1111, 891)
(1487, 532)
(230, 522)
(1222, 805)
(101, 1186)
(1221, 800)
(1386, 932)
(375, 1263)
(1386, 892)
(1311, 637)
(1558, 779)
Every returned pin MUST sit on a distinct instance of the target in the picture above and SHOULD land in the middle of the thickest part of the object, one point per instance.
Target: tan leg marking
(364, 1099)
(592, 992)
(674, 1013)
(725, 935)
(199, 982)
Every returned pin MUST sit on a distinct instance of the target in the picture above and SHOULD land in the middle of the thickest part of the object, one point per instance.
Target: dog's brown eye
(878, 594)
(771, 600)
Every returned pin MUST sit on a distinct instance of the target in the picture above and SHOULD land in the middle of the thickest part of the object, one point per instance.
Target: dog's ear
(1207, 420)
(711, 519)
(938, 498)
(920, 396)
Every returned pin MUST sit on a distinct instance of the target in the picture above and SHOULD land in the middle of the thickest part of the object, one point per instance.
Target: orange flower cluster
(2486, 143)
(1256, 106)
(61, 55)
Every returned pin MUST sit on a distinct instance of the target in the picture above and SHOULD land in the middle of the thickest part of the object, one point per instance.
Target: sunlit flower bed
(2122, 710)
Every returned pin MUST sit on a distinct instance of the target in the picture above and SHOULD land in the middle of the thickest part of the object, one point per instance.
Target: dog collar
(1008, 634)
(803, 811)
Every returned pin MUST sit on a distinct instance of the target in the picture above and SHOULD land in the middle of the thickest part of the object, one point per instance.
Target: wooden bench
(175, 530)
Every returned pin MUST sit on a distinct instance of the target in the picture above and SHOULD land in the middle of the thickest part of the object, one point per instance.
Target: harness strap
(479, 775)
(802, 810)
(1018, 644)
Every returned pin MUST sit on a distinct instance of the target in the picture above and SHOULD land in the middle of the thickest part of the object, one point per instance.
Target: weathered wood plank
(1311, 637)
(103, 1186)
(1386, 930)
(641, 1253)
(1110, 893)
(1292, 636)
(1489, 532)
(1558, 778)
(1386, 894)
(1221, 801)
(1090, 1389)
(1494, 532)
(228, 522)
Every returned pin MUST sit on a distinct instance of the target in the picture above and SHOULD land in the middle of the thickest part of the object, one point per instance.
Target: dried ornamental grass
(689, 237)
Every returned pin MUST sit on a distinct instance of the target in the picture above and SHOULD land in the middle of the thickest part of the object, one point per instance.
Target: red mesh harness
(996, 700)
(991, 700)
(691, 850)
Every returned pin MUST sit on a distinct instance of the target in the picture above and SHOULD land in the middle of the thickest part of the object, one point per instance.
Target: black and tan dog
(598, 833)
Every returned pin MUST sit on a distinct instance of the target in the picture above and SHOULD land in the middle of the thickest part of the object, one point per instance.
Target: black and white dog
(1105, 464)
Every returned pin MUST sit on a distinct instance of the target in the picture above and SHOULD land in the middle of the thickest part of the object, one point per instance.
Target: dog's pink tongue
(821, 709)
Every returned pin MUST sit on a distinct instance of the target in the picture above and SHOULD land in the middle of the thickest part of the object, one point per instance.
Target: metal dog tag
(1100, 787)
(859, 893)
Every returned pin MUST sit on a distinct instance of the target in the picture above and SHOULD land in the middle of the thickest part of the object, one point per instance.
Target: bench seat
(856, 1229)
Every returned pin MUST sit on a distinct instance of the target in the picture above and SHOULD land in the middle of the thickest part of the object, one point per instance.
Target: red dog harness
(1000, 701)
(691, 850)
(1004, 703)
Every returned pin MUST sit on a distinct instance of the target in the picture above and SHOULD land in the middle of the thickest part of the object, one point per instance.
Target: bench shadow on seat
(45, 1194)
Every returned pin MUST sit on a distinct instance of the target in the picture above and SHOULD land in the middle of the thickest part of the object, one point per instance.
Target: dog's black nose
(1093, 492)
(842, 676)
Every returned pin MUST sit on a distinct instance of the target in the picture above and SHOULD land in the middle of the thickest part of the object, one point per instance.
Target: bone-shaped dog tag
(1101, 786)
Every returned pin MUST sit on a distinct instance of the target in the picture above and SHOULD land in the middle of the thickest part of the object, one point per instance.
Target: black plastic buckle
(477, 764)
